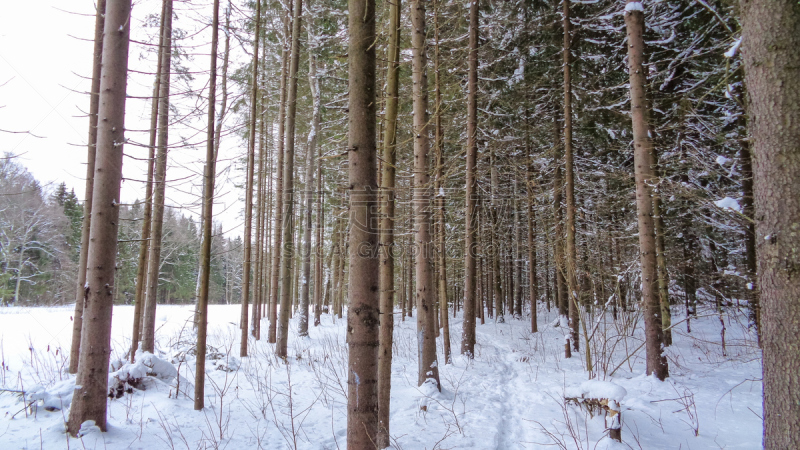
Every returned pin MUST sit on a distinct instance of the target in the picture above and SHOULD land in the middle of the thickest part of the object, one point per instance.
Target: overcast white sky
(45, 53)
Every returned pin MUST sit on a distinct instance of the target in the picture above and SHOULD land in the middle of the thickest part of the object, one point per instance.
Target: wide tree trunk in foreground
(386, 270)
(771, 34)
(94, 104)
(208, 215)
(645, 176)
(154, 256)
(425, 295)
(91, 391)
(471, 214)
(363, 313)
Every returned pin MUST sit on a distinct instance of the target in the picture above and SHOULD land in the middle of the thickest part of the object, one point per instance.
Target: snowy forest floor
(510, 397)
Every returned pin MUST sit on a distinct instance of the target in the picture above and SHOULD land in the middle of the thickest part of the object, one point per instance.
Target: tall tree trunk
(248, 193)
(310, 156)
(516, 254)
(386, 271)
(364, 285)
(154, 254)
(771, 30)
(644, 172)
(661, 261)
(287, 255)
(426, 329)
(558, 239)
(208, 215)
(571, 268)
(746, 169)
(277, 247)
(90, 400)
(319, 277)
(532, 280)
(470, 232)
(440, 197)
(264, 156)
(255, 317)
(497, 274)
(94, 102)
(147, 220)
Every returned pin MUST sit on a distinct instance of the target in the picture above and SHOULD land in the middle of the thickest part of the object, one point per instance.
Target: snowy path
(510, 397)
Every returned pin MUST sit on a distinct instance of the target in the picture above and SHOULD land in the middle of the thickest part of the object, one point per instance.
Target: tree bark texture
(386, 271)
(147, 220)
(645, 176)
(94, 104)
(441, 215)
(364, 285)
(570, 266)
(771, 36)
(154, 254)
(277, 247)
(208, 215)
(287, 254)
(311, 150)
(471, 222)
(425, 295)
(90, 397)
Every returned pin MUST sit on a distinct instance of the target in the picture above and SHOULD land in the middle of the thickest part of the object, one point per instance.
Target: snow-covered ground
(510, 397)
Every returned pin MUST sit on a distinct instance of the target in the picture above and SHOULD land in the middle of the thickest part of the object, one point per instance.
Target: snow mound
(54, 398)
(597, 389)
(428, 391)
(131, 375)
(88, 427)
(634, 6)
(230, 365)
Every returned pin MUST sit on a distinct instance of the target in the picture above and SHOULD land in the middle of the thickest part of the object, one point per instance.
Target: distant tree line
(40, 237)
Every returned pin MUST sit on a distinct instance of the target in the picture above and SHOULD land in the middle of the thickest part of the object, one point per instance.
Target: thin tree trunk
(516, 255)
(570, 265)
(364, 287)
(319, 276)
(208, 215)
(386, 271)
(558, 239)
(94, 102)
(470, 232)
(426, 331)
(771, 30)
(532, 280)
(440, 196)
(248, 193)
(497, 274)
(661, 263)
(147, 221)
(154, 254)
(311, 150)
(643, 161)
(255, 316)
(91, 390)
(277, 248)
(746, 169)
(263, 205)
(287, 255)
